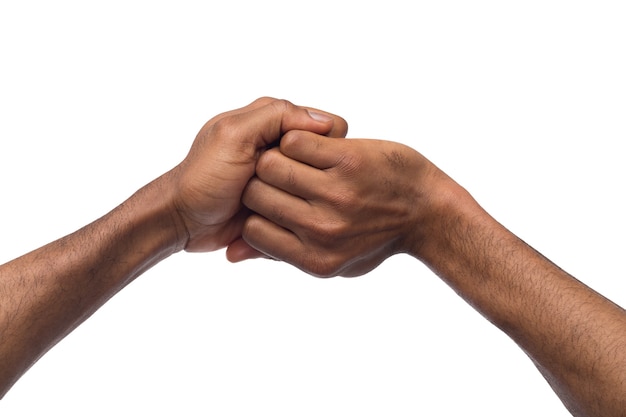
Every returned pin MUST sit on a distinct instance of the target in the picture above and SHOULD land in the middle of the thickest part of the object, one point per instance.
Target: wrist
(154, 213)
(442, 223)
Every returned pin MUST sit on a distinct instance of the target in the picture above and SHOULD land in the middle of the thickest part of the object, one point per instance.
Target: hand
(46, 293)
(341, 206)
(209, 182)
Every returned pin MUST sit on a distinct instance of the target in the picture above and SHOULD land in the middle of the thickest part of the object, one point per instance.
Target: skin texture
(196, 206)
(330, 206)
(358, 202)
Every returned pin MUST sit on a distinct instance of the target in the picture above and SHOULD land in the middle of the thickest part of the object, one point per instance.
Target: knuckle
(268, 161)
(327, 232)
(282, 105)
(224, 126)
(290, 140)
(250, 228)
(250, 193)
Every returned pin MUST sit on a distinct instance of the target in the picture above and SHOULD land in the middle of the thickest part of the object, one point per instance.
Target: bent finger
(269, 238)
(281, 244)
(313, 149)
(340, 125)
(239, 250)
(284, 245)
(294, 177)
(276, 205)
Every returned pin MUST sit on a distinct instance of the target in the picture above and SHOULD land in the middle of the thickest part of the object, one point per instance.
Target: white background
(523, 103)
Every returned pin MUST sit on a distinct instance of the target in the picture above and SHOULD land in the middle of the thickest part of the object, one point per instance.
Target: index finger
(312, 149)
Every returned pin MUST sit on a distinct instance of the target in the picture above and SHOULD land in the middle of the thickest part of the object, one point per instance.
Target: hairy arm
(196, 206)
(575, 336)
(45, 294)
(340, 207)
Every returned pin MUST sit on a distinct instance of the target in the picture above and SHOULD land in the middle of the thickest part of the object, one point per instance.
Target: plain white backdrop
(523, 103)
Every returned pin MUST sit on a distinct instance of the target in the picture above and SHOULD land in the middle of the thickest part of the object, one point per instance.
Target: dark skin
(196, 206)
(333, 206)
(330, 206)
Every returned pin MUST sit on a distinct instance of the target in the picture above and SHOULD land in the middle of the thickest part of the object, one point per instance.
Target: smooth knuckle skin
(252, 194)
(268, 162)
(290, 140)
(251, 229)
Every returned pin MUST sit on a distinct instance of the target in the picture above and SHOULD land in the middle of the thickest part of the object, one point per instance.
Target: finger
(273, 240)
(294, 177)
(239, 250)
(263, 235)
(340, 126)
(315, 150)
(283, 245)
(276, 205)
(266, 124)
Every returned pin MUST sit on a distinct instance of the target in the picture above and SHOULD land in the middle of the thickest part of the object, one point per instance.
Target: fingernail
(320, 117)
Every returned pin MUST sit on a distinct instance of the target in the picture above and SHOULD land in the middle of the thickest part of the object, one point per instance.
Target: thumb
(266, 123)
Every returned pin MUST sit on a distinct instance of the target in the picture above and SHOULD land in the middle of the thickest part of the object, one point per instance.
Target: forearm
(576, 337)
(45, 294)
(196, 206)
